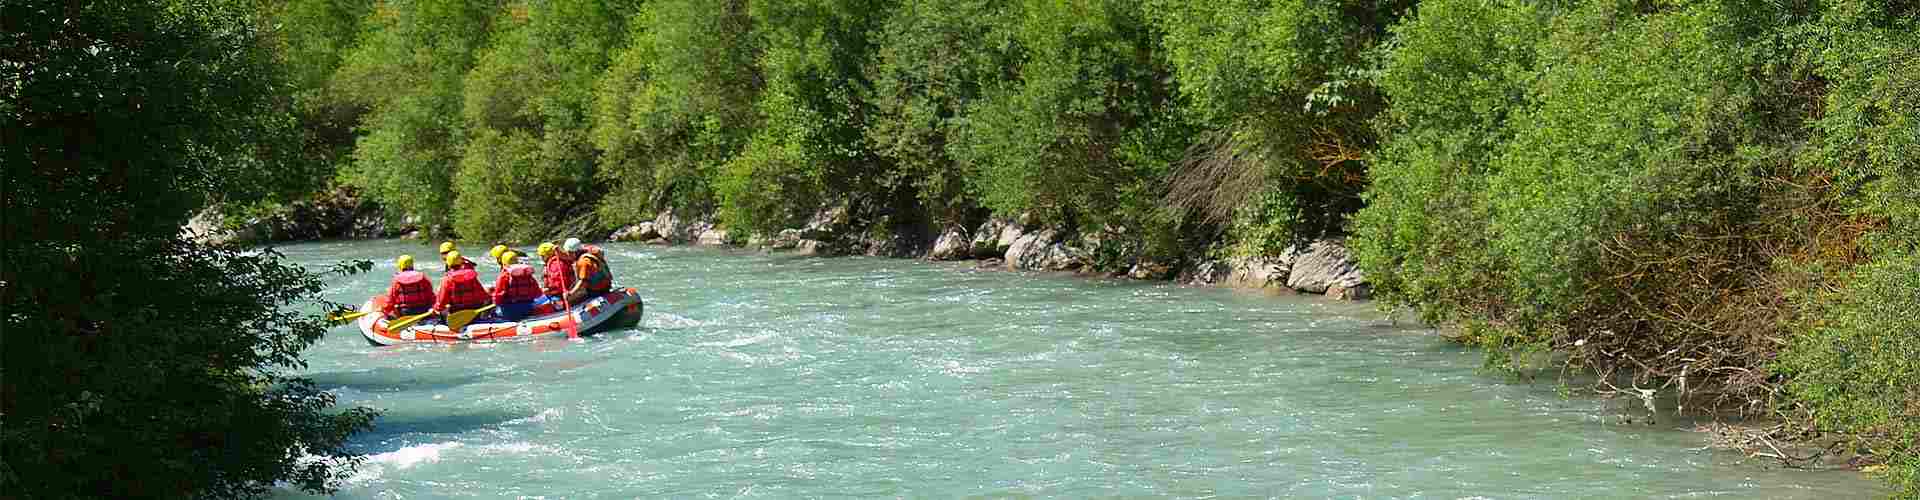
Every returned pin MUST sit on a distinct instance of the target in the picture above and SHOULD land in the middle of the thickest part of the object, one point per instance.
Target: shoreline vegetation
(1715, 202)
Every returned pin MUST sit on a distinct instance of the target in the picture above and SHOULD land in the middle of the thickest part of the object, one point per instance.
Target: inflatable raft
(617, 309)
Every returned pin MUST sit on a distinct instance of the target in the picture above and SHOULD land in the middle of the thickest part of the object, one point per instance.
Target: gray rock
(1363, 291)
(1259, 272)
(1064, 257)
(1326, 265)
(204, 228)
(952, 245)
(712, 237)
(1149, 270)
(1206, 273)
(994, 236)
(1029, 251)
(667, 226)
(637, 232)
(1042, 251)
(826, 224)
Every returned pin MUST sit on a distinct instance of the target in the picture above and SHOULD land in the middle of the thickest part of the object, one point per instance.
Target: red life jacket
(601, 280)
(410, 290)
(516, 285)
(559, 276)
(461, 290)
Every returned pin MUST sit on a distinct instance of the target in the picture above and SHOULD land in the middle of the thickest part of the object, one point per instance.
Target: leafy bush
(407, 69)
(675, 104)
(932, 61)
(1054, 140)
(528, 165)
(137, 363)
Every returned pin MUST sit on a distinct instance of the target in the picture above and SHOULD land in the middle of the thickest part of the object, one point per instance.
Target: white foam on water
(413, 455)
(538, 418)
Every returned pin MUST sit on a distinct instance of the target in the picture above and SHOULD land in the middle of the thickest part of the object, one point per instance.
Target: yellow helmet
(496, 251)
(507, 258)
(453, 257)
(545, 250)
(405, 263)
(446, 246)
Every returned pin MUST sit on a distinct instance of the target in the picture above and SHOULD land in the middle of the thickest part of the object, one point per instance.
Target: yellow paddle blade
(337, 317)
(403, 322)
(458, 319)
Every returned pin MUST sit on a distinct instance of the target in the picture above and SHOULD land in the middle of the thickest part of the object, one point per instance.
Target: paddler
(446, 248)
(558, 277)
(460, 290)
(590, 266)
(515, 290)
(411, 292)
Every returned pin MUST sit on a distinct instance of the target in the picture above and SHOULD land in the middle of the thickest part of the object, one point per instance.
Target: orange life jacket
(600, 279)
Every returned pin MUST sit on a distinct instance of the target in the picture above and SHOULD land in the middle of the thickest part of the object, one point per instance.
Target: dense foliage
(1717, 198)
(136, 363)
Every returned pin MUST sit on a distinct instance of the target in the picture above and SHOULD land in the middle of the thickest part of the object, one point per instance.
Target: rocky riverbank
(1320, 267)
(330, 215)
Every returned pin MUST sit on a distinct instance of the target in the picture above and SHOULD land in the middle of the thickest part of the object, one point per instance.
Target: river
(775, 376)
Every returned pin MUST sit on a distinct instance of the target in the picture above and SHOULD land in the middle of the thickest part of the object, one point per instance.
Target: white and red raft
(616, 309)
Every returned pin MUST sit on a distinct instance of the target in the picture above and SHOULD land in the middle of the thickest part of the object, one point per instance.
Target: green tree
(314, 37)
(932, 61)
(1082, 129)
(529, 162)
(137, 363)
(807, 150)
(1283, 88)
(675, 104)
(408, 69)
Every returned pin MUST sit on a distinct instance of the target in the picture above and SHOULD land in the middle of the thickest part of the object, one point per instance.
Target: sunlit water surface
(776, 376)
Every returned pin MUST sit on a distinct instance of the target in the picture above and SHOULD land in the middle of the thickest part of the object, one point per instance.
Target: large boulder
(1206, 273)
(1326, 265)
(712, 237)
(638, 232)
(1147, 269)
(995, 236)
(668, 226)
(1064, 257)
(1042, 251)
(952, 245)
(826, 224)
(1029, 251)
(1260, 272)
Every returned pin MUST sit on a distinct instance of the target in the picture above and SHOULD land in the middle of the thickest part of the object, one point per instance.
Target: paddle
(573, 329)
(458, 319)
(401, 323)
(338, 317)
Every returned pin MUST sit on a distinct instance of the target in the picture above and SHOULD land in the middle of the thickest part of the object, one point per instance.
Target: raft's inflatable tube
(616, 309)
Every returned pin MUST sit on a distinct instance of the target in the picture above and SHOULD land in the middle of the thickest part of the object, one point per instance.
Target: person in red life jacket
(515, 290)
(411, 292)
(590, 266)
(456, 262)
(558, 277)
(460, 290)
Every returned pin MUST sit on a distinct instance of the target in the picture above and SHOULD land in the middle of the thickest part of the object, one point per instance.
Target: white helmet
(572, 245)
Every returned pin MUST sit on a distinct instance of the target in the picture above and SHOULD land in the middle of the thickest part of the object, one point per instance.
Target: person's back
(461, 290)
(411, 293)
(515, 290)
(591, 269)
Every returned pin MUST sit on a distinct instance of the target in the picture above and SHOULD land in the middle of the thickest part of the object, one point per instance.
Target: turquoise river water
(771, 376)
